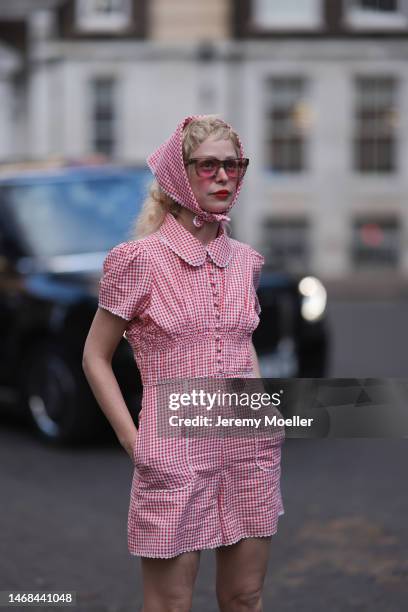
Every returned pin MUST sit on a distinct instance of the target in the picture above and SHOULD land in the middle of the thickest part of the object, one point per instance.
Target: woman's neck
(205, 234)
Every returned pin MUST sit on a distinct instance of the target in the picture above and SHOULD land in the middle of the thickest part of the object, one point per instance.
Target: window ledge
(375, 20)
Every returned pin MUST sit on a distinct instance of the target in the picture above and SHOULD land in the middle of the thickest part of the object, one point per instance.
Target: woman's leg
(168, 583)
(241, 570)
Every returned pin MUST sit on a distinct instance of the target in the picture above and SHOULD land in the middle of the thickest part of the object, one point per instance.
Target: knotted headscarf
(167, 165)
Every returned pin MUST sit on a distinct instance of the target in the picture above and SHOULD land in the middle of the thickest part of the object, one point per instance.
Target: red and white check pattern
(191, 311)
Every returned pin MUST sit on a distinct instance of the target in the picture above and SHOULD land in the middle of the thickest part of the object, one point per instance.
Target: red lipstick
(222, 194)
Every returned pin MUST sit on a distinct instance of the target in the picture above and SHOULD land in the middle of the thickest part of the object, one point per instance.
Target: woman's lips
(221, 195)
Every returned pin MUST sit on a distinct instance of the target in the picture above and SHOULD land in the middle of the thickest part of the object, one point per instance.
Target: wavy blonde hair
(158, 203)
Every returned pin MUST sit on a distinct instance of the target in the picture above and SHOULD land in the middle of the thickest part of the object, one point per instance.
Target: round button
(216, 304)
(218, 315)
(217, 338)
(219, 350)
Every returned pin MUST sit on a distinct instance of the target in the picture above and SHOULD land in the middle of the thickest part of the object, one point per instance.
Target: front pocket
(163, 464)
(136, 442)
(268, 453)
(135, 446)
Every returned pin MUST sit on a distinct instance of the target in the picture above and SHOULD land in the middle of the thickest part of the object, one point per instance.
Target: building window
(375, 243)
(286, 244)
(376, 14)
(287, 121)
(379, 5)
(375, 124)
(286, 14)
(104, 116)
(103, 15)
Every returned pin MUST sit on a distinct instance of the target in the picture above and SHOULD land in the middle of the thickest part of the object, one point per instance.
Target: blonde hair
(158, 204)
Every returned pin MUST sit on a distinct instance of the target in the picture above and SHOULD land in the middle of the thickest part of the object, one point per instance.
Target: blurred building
(318, 90)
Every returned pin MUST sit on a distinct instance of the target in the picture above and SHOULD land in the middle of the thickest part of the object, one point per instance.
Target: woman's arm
(255, 362)
(103, 338)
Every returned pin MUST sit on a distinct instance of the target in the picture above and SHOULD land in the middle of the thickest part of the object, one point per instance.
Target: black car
(56, 226)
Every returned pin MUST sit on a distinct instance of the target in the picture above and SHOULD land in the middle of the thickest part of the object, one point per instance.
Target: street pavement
(341, 544)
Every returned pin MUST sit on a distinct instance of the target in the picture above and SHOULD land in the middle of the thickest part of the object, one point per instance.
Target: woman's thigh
(168, 583)
(241, 567)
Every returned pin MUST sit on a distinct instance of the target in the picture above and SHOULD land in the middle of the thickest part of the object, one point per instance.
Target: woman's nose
(221, 174)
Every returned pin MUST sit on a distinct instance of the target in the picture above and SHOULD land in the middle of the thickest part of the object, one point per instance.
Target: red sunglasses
(208, 167)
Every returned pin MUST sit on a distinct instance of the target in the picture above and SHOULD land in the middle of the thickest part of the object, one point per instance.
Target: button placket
(217, 313)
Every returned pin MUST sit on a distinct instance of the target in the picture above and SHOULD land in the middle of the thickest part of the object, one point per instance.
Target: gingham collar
(189, 248)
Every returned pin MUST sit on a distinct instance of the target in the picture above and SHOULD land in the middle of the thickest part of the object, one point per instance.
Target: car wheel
(57, 401)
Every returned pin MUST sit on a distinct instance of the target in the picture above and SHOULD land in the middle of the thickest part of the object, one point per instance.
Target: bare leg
(241, 570)
(168, 583)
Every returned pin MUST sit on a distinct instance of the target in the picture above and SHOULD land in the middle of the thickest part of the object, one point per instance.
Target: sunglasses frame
(221, 164)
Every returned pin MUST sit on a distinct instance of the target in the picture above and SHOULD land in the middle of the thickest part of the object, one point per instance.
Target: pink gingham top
(191, 310)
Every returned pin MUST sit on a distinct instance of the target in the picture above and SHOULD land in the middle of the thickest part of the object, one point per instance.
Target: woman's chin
(216, 207)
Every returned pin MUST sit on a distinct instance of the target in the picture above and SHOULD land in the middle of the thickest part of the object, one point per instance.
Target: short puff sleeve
(258, 261)
(124, 288)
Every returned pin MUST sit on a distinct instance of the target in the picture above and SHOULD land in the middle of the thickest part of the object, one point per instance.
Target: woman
(184, 296)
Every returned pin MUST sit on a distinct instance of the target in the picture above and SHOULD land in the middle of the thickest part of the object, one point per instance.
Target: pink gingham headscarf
(167, 165)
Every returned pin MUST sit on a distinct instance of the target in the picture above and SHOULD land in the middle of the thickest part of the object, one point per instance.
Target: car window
(79, 215)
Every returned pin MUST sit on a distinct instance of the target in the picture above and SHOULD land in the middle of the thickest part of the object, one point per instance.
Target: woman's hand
(130, 444)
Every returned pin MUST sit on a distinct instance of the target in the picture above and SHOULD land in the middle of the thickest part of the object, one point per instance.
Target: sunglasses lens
(243, 165)
(232, 167)
(207, 167)
(235, 168)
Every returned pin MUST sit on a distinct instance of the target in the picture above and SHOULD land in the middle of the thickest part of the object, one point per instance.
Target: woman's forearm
(105, 387)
